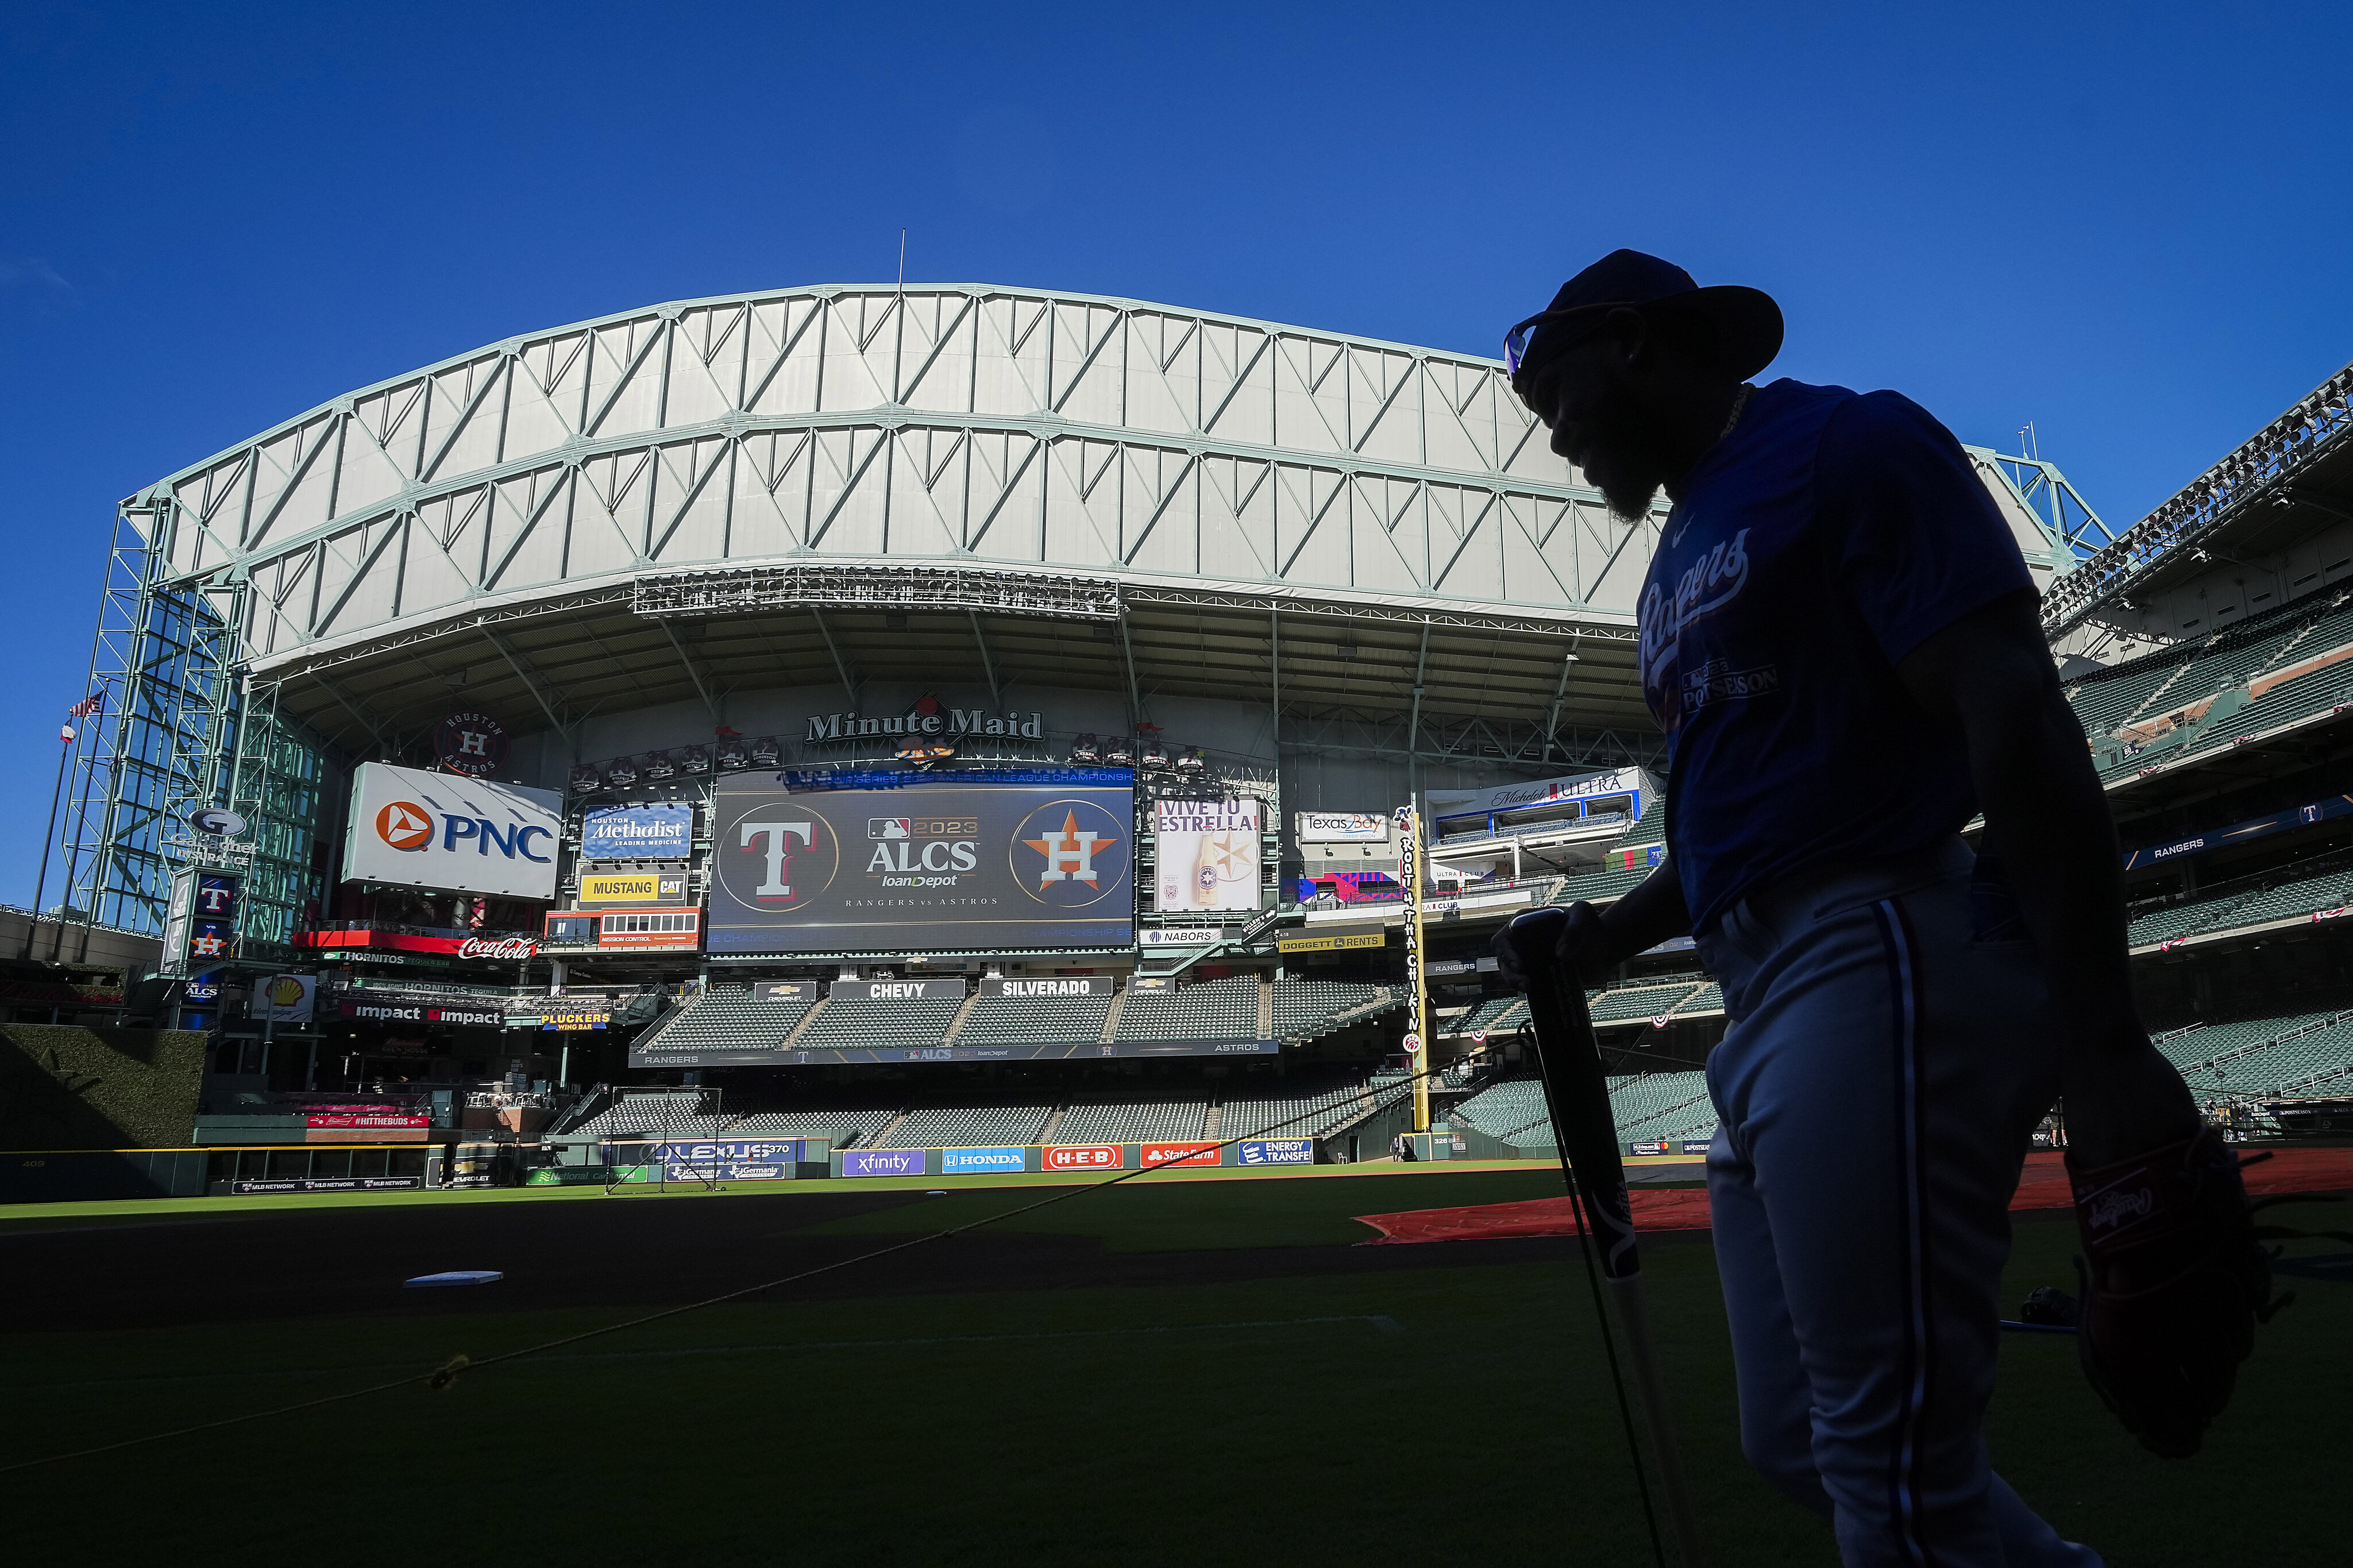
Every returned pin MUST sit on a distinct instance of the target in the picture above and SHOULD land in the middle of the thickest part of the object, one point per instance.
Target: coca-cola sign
(498, 947)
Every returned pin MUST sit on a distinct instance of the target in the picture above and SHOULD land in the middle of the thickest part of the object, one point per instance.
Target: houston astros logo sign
(1069, 853)
(404, 824)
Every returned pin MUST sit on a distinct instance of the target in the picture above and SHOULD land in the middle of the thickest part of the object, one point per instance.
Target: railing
(1601, 819)
(2262, 464)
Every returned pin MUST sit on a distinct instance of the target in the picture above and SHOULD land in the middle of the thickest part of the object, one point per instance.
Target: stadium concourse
(858, 731)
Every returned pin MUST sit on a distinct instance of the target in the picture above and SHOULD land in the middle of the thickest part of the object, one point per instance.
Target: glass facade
(180, 729)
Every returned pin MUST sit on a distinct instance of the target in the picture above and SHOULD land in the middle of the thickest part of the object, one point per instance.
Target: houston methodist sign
(437, 830)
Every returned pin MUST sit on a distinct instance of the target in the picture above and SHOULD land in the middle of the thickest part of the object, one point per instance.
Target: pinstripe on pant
(1882, 1072)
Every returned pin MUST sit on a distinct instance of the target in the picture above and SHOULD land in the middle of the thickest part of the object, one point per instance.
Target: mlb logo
(888, 827)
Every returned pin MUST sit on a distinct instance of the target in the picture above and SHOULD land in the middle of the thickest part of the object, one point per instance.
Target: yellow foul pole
(1417, 1043)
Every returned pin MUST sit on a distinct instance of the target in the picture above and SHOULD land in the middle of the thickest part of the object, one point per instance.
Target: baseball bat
(1576, 1098)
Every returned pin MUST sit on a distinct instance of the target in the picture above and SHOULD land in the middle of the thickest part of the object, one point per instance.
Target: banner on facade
(412, 828)
(1206, 854)
(664, 831)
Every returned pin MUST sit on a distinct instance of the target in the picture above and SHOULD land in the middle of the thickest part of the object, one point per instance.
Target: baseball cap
(1746, 322)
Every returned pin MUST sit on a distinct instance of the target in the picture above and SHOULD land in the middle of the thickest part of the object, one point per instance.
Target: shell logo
(403, 825)
(284, 991)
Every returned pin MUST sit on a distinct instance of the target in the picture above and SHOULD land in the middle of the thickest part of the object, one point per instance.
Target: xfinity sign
(417, 830)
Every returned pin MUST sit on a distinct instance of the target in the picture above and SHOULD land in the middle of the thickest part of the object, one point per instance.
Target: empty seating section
(1670, 1105)
(847, 1128)
(1667, 1105)
(853, 1023)
(658, 1114)
(1291, 1116)
(2283, 896)
(726, 1018)
(1494, 1013)
(1304, 1008)
(2222, 669)
(1034, 1020)
(2250, 1058)
(1501, 1110)
(1652, 1001)
(2106, 701)
(1224, 1009)
(970, 1126)
(1133, 1122)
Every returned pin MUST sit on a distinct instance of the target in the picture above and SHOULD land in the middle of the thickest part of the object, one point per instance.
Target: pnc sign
(468, 835)
(404, 824)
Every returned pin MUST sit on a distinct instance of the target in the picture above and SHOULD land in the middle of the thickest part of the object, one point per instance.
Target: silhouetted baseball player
(1840, 639)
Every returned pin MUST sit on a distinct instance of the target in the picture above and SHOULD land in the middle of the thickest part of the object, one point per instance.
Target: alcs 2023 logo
(410, 827)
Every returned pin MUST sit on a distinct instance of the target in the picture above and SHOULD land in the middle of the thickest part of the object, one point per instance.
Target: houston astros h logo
(404, 824)
(1069, 854)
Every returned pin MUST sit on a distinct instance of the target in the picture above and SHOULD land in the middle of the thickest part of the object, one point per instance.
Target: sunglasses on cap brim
(1516, 340)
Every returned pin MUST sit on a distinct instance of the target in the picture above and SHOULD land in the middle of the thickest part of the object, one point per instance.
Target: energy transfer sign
(1207, 854)
(417, 830)
(965, 867)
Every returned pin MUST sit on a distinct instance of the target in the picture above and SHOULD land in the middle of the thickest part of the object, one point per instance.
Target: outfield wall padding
(66, 1087)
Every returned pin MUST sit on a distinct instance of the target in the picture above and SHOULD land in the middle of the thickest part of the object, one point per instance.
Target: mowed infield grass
(1319, 1411)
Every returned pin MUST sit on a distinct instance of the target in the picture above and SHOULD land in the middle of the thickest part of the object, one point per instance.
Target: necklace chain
(1739, 404)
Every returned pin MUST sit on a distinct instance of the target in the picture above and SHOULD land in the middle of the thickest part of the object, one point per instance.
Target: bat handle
(1651, 1387)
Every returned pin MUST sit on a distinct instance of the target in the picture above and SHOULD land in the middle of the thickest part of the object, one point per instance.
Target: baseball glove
(2175, 1279)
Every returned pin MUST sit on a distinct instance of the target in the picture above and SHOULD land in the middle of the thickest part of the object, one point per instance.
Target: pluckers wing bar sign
(981, 867)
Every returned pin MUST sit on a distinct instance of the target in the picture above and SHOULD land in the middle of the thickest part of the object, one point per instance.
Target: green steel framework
(184, 726)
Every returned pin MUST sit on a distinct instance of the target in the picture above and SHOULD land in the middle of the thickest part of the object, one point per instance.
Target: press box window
(637, 925)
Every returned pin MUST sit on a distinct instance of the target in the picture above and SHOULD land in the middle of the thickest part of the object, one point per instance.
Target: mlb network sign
(459, 835)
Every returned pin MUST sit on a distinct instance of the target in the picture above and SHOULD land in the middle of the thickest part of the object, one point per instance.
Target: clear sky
(2128, 225)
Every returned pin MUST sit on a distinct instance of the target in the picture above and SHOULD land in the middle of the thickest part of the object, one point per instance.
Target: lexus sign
(416, 829)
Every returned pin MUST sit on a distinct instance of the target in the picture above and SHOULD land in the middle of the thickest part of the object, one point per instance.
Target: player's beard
(1621, 460)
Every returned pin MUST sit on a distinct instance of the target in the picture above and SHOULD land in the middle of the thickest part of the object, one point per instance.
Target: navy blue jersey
(1813, 548)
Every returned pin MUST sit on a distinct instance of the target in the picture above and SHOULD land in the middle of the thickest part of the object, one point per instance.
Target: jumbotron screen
(961, 868)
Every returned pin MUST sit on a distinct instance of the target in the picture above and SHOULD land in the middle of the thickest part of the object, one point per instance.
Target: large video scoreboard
(948, 867)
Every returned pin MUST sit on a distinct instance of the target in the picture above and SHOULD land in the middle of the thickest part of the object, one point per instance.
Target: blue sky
(2127, 225)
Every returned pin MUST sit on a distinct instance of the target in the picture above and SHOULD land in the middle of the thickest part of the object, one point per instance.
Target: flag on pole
(88, 706)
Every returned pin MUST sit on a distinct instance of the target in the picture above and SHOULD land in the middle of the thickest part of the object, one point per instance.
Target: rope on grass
(445, 1377)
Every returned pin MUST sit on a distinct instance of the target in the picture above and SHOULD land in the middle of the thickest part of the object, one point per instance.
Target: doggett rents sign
(418, 829)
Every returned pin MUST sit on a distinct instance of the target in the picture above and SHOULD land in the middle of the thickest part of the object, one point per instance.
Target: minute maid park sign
(927, 717)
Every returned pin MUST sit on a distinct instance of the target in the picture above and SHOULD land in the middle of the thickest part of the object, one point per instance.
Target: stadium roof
(2288, 481)
(847, 483)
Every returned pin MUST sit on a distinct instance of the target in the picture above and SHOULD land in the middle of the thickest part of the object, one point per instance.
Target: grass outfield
(1174, 1372)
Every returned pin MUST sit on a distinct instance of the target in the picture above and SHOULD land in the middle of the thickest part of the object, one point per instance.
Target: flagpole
(41, 884)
